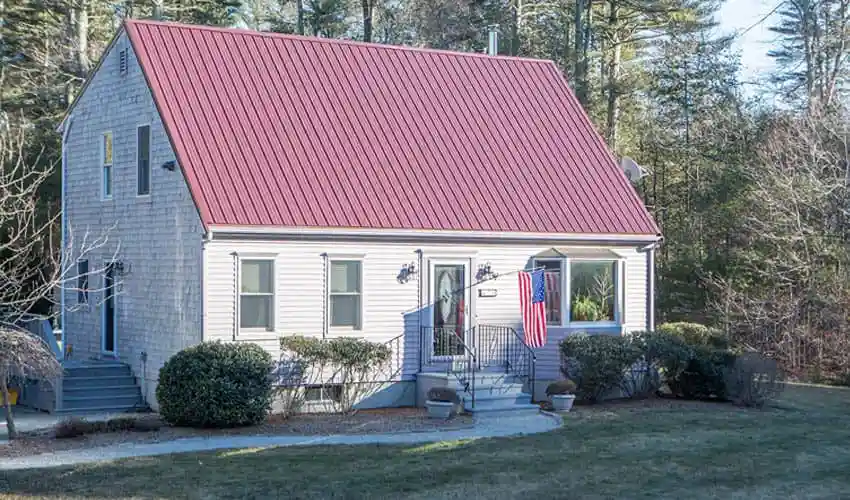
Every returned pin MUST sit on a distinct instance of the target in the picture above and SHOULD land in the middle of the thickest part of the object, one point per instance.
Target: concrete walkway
(483, 428)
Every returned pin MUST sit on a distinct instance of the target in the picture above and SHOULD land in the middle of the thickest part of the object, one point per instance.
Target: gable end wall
(158, 237)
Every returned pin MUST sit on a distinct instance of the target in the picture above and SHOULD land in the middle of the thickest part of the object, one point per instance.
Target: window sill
(590, 328)
(255, 335)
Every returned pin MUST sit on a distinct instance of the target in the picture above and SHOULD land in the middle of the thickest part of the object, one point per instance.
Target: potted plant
(561, 394)
(441, 402)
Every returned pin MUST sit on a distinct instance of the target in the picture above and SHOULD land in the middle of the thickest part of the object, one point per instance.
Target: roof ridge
(333, 41)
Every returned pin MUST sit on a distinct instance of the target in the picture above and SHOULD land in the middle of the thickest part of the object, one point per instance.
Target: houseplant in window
(561, 393)
(442, 402)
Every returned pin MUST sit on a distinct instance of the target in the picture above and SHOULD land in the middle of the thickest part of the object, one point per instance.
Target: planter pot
(563, 402)
(440, 409)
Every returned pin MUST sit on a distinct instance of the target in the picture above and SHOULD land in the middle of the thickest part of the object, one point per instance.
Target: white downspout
(66, 129)
(650, 284)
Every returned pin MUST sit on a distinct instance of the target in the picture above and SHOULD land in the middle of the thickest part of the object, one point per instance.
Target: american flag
(532, 292)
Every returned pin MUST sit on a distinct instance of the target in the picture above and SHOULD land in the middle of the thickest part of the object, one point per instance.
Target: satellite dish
(633, 171)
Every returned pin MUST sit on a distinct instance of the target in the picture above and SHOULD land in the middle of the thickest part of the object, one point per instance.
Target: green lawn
(798, 449)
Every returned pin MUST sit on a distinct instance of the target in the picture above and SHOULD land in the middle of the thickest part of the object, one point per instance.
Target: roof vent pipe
(493, 42)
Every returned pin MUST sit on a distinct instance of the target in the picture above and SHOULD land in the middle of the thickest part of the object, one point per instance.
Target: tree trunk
(299, 12)
(7, 403)
(580, 54)
(613, 76)
(81, 39)
(367, 6)
(157, 9)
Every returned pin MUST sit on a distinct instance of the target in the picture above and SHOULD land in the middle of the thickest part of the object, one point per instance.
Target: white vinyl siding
(391, 307)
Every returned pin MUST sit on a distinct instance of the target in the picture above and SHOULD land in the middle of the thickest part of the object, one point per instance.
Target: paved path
(483, 428)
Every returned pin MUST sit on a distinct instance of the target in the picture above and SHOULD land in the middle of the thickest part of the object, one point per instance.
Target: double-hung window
(106, 165)
(346, 294)
(256, 294)
(582, 290)
(143, 160)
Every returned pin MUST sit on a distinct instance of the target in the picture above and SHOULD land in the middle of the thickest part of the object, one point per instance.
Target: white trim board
(324, 233)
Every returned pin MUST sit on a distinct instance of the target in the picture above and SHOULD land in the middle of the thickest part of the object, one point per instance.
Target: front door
(449, 296)
(108, 320)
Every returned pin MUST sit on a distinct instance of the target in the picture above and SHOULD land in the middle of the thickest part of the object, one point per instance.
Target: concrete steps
(496, 394)
(99, 387)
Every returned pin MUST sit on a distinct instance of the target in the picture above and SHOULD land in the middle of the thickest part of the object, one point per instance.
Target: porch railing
(483, 346)
(502, 346)
(445, 348)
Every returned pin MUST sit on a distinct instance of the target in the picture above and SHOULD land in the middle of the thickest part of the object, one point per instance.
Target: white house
(257, 185)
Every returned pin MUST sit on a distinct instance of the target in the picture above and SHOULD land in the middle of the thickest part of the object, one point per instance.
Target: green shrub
(753, 380)
(216, 385)
(560, 387)
(692, 358)
(351, 363)
(598, 363)
(695, 334)
(443, 395)
(704, 376)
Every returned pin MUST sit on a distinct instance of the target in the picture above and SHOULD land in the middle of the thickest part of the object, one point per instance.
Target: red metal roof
(282, 130)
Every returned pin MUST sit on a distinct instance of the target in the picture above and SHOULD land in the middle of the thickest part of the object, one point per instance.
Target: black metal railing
(448, 349)
(502, 346)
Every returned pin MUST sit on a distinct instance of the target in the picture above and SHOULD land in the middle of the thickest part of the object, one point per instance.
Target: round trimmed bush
(216, 385)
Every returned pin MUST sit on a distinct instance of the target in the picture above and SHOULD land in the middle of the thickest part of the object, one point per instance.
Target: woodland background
(750, 190)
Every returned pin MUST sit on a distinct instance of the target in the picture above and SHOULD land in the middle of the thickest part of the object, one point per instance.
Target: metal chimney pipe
(493, 42)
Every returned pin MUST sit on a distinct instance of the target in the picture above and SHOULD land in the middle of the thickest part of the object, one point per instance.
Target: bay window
(582, 290)
(593, 296)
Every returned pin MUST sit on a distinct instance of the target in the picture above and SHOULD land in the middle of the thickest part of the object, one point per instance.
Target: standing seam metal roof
(280, 130)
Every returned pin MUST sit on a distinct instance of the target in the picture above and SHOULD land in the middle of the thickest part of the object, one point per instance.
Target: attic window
(123, 61)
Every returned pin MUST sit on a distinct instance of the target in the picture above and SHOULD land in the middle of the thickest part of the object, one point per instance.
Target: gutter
(401, 235)
(650, 283)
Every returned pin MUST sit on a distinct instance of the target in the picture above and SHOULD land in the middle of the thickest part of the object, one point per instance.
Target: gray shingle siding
(157, 237)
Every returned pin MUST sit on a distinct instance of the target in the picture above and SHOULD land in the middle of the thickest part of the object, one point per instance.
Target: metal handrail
(454, 346)
(503, 346)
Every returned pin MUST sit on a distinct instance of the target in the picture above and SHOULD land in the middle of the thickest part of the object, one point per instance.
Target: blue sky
(736, 16)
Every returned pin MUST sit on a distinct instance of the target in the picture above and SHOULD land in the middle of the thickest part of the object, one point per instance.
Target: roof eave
(400, 235)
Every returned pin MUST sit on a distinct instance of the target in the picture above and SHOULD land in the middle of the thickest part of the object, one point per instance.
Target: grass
(800, 448)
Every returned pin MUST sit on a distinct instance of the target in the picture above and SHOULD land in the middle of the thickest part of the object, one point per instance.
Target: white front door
(449, 295)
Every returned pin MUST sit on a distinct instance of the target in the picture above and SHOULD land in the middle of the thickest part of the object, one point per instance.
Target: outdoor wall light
(485, 272)
(408, 271)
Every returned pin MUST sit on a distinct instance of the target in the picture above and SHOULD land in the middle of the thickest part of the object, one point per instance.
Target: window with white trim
(593, 291)
(143, 160)
(106, 165)
(83, 281)
(256, 294)
(346, 294)
(581, 291)
(552, 295)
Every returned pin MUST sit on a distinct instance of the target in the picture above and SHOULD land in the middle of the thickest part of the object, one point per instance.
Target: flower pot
(13, 397)
(439, 409)
(563, 402)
